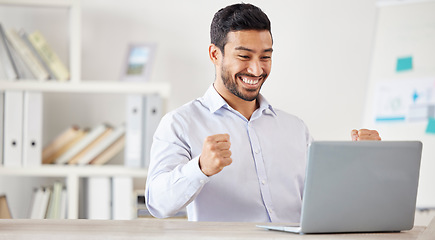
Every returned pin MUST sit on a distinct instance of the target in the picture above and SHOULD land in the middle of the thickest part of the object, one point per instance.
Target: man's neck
(246, 108)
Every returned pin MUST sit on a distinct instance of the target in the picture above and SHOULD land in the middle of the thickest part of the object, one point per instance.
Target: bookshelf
(72, 175)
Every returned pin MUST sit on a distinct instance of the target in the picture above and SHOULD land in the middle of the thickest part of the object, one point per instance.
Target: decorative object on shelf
(138, 62)
(5, 212)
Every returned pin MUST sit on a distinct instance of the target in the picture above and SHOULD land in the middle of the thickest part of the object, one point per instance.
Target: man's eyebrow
(250, 50)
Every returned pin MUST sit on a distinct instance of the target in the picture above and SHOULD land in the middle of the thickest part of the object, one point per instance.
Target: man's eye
(243, 56)
(266, 57)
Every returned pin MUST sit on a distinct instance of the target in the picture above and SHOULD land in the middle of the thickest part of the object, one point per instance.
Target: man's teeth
(248, 81)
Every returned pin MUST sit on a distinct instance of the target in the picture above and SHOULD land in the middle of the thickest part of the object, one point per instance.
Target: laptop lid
(364, 186)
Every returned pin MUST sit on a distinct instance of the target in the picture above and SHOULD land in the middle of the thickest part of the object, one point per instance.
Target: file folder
(13, 131)
(122, 198)
(32, 129)
(143, 116)
(99, 198)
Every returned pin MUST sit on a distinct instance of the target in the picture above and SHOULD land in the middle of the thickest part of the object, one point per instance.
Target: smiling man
(229, 155)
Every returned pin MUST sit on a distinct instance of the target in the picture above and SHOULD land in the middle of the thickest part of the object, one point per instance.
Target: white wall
(321, 55)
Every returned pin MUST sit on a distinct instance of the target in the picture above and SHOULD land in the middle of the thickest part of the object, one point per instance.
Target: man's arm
(174, 177)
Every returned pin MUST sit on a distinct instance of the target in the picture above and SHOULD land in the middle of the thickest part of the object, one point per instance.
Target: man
(231, 156)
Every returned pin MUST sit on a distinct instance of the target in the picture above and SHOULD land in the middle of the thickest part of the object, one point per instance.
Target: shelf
(41, 3)
(88, 87)
(76, 171)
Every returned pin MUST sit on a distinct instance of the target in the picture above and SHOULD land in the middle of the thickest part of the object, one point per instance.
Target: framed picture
(138, 62)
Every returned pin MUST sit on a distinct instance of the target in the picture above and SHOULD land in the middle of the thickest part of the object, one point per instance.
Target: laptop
(364, 186)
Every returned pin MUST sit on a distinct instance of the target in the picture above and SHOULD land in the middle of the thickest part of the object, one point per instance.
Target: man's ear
(214, 53)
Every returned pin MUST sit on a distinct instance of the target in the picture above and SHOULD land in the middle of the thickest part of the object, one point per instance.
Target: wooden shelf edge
(162, 88)
(77, 171)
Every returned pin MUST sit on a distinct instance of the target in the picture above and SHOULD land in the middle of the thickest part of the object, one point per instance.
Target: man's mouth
(250, 80)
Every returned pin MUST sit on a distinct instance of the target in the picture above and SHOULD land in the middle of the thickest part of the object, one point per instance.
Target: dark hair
(236, 17)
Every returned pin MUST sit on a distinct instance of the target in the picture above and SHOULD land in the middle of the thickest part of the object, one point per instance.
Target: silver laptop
(366, 186)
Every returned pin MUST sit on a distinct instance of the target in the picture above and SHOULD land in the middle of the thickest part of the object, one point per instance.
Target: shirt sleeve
(174, 177)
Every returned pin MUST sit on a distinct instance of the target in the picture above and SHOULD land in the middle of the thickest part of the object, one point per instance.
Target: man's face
(246, 62)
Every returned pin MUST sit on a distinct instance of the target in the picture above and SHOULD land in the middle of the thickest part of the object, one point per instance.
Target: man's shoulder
(188, 110)
(281, 114)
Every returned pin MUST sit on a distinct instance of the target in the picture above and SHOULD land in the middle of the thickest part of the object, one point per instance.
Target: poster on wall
(408, 100)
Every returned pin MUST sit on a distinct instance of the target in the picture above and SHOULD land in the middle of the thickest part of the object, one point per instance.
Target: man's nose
(255, 68)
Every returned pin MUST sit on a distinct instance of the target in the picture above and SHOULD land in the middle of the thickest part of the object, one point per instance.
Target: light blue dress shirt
(265, 181)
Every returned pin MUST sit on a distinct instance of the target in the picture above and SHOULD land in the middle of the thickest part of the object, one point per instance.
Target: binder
(13, 131)
(143, 116)
(122, 198)
(99, 198)
(32, 129)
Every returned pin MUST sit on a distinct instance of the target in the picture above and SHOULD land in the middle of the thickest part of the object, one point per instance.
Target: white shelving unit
(73, 174)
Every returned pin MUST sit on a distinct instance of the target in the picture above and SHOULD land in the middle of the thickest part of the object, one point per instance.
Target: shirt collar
(214, 102)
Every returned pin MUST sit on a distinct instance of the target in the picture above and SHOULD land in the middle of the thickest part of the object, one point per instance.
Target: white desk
(12, 229)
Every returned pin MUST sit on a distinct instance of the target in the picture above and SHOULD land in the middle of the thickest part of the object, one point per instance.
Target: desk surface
(170, 229)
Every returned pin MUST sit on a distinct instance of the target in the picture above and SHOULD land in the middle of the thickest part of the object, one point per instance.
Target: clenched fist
(364, 134)
(215, 154)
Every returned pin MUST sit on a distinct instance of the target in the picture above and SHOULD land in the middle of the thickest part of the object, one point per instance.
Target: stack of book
(78, 146)
(29, 56)
(49, 202)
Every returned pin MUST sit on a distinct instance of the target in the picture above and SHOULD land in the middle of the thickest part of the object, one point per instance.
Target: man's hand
(365, 134)
(215, 154)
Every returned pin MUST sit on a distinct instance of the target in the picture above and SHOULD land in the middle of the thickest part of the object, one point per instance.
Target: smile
(249, 81)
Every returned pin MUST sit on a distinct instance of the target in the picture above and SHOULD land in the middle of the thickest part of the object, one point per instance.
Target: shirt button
(263, 182)
(257, 151)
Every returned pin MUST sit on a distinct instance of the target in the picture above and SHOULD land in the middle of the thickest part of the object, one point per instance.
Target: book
(63, 204)
(82, 133)
(82, 144)
(23, 34)
(49, 56)
(56, 144)
(78, 157)
(54, 206)
(110, 152)
(23, 70)
(2, 113)
(117, 133)
(41, 198)
(6, 61)
(30, 59)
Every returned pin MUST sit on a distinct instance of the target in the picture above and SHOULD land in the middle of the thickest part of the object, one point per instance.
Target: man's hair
(236, 17)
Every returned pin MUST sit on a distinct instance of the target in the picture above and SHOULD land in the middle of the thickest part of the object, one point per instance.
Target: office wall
(321, 53)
